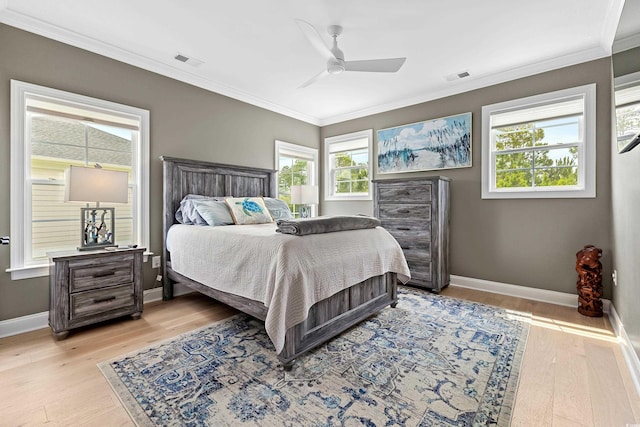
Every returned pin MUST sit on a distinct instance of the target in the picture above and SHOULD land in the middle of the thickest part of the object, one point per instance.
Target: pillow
(187, 213)
(278, 208)
(248, 210)
(214, 212)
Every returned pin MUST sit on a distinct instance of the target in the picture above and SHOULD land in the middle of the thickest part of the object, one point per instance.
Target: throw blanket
(288, 274)
(328, 224)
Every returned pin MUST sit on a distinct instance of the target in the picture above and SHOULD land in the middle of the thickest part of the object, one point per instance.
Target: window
(50, 130)
(347, 170)
(296, 165)
(627, 96)
(541, 146)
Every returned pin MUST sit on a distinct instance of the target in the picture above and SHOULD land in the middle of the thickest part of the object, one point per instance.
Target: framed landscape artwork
(443, 143)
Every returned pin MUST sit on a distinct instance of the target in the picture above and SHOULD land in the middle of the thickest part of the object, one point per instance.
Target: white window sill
(28, 272)
(346, 198)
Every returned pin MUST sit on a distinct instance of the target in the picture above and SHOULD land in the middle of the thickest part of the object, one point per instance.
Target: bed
(326, 318)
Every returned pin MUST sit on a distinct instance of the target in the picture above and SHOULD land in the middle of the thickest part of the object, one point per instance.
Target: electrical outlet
(614, 276)
(155, 262)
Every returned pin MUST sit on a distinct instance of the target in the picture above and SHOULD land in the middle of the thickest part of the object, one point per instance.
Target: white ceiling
(253, 50)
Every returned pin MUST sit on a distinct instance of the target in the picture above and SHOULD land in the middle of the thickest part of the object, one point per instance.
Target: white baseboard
(19, 325)
(543, 295)
(630, 355)
(32, 322)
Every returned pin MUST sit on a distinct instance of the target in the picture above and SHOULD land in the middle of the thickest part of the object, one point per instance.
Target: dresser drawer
(407, 211)
(88, 303)
(404, 193)
(99, 275)
(415, 249)
(420, 270)
(400, 228)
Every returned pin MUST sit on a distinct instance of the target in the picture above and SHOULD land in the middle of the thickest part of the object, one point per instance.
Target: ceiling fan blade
(314, 79)
(390, 65)
(314, 38)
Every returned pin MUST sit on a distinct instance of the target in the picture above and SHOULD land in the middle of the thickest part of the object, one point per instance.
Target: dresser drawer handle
(104, 299)
(404, 211)
(403, 228)
(105, 274)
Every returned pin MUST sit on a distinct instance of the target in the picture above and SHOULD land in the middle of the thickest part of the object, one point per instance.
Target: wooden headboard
(182, 177)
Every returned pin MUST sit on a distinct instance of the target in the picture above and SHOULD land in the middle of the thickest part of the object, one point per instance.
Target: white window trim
(587, 158)
(20, 204)
(626, 80)
(304, 152)
(328, 181)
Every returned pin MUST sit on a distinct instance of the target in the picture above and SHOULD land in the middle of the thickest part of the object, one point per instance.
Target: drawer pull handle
(404, 228)
(105, 274)
(104, 299)
(404, 211)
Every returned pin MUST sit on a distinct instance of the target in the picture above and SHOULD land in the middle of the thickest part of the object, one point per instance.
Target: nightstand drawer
(84, 277)
(88, 303)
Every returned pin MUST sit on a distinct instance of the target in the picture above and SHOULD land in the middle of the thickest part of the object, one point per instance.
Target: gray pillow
(187, 213)
(213, 212)
(278, 208)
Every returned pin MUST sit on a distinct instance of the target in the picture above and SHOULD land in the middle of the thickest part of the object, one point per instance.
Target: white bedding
(287, 273)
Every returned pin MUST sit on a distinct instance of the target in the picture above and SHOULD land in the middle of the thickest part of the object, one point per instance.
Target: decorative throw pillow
(214, 212)
(278, 208)
(248, 210)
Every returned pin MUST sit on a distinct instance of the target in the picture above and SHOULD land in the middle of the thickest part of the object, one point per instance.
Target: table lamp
(304, 195)
(85, 184)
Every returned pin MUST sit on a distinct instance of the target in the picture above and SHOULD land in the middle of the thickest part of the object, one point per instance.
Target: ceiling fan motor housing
(335, 66)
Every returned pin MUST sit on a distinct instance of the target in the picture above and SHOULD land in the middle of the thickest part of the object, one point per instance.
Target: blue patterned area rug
(432, 361)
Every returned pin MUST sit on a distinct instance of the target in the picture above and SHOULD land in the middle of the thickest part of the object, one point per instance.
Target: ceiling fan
(335, 58)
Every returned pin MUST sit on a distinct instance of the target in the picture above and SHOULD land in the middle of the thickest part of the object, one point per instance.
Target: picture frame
(98, 229)
(443, 143)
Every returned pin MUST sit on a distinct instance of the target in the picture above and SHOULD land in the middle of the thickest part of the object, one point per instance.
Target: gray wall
(523, 242)
(185, 122)
(625, 181)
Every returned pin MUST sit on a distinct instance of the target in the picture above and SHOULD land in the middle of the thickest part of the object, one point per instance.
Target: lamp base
(98, 227)
(305, 211)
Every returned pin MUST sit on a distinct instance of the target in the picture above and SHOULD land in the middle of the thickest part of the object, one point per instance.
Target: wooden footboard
(327, 318)
(330, 317)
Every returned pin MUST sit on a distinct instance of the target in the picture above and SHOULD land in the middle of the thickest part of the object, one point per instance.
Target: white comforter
(288, 274)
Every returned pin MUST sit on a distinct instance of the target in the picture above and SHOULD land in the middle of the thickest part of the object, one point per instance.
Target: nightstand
(89, 287)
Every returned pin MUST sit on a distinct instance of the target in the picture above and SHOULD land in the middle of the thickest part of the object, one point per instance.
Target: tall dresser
(416, 212)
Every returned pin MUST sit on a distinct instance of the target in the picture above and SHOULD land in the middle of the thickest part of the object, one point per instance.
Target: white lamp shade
(304, 194)
(95, 185)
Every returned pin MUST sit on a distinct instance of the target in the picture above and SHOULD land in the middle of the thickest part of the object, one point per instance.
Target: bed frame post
(167, 202)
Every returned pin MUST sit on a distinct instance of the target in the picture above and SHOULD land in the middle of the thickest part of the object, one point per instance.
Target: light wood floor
(573, 372)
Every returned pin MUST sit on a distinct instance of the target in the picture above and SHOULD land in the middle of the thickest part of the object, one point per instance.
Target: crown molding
(42, 28)
(45, 29)
(473, 83)
(626, 43)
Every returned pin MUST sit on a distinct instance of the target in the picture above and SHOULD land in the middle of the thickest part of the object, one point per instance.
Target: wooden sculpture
(589, 283)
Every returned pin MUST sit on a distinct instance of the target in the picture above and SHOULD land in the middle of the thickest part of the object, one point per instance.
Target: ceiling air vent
(457, 76)
(188, 60)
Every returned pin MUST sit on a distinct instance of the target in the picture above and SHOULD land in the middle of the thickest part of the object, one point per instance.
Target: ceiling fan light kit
(335, 57)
